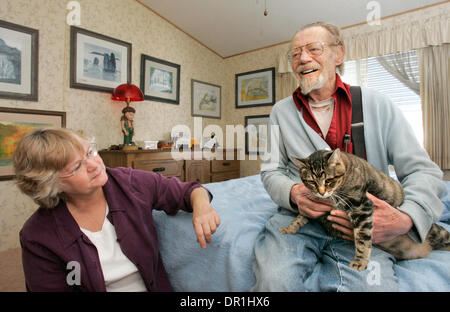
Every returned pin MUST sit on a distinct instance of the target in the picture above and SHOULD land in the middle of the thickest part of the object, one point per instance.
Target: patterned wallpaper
(94, 112)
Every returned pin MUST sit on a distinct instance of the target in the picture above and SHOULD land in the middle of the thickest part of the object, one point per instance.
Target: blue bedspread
(226, 264)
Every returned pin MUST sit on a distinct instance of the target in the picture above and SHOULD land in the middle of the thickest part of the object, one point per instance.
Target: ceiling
(231, 27)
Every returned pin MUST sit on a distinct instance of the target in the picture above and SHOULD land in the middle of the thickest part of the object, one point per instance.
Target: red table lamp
(130, 93)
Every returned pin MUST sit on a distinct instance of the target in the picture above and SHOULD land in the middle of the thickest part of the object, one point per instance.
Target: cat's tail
(439, 238)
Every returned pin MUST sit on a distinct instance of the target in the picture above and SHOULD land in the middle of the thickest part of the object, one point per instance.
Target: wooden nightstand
(209, 168)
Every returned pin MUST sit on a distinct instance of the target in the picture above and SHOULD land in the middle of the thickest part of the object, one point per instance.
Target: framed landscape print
(14, 124)
(18, 62)
(257, 134)
(97, 62)
(160, 80)
(255, 88)
(206, 99)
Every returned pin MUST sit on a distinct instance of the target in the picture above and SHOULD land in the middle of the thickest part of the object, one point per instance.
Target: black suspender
(359, 147)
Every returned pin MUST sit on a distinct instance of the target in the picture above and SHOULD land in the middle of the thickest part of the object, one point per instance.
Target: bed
(226, 264)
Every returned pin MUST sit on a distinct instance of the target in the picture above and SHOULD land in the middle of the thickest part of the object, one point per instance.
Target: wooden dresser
(205, 167)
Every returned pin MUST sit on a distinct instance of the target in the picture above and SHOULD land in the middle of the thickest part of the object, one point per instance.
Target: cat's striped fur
(345, 179)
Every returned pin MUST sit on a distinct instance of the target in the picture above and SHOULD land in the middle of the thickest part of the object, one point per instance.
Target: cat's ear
(300, 164)
(335, 156)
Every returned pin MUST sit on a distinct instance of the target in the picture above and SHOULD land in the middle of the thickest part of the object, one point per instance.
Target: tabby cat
(345, 179)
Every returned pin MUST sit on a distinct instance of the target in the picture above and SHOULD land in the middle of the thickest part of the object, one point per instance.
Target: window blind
(370, 73)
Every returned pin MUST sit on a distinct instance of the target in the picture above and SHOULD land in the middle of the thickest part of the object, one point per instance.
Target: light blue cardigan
(389, 141)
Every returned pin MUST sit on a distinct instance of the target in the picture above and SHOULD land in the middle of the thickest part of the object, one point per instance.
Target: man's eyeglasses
(91, 153)
(313, 49)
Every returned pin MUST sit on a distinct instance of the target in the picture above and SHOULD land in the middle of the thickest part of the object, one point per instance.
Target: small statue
(127, 124)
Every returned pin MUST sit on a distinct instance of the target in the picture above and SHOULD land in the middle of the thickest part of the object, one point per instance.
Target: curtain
(435, 96)
(409, 31)
(286, 80)
(400, 65)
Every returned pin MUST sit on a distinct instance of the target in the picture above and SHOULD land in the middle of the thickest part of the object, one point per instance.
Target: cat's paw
(284, 231)
(358, 265)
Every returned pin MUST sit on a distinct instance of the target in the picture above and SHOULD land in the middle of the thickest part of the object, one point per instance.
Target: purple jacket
(50, 239)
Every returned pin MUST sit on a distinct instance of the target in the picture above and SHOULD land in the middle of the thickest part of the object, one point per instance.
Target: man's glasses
(91, 153)
(313, 49)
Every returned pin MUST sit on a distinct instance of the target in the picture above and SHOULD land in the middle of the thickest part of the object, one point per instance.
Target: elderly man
(317, 116)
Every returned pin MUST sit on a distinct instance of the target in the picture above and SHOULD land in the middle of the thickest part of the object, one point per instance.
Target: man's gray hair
(335, 33)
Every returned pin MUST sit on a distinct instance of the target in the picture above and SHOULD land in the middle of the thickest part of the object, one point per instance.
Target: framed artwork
(97, 62)
(14, 124)
(160, 80)
(255, 88)
(257, 134)
(206, 99)
(18, 62)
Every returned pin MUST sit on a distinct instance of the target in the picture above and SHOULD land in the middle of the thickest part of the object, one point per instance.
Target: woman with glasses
(94, 229)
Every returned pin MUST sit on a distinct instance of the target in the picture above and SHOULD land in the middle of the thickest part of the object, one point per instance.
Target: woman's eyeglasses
(91, 153)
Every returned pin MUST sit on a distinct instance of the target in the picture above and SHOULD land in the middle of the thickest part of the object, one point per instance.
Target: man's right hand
(309, 205)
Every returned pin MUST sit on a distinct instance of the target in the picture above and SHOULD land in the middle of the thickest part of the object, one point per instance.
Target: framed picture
(97, 62)
(18, 62)
(14, 124)
(206, 99)
(257, 134)
(255, 88)
(160, 80)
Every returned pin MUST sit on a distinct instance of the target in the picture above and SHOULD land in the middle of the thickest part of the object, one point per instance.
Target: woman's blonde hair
(39, 157)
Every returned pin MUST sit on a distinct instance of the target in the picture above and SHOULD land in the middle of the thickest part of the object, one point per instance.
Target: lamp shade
(127, 92)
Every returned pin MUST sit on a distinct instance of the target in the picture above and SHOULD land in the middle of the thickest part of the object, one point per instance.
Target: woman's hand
(204, 218)
(308, 205)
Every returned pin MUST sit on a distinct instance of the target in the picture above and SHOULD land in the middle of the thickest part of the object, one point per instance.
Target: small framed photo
(255, 88)
(160, 80)
(257, 134)
(18, 62)
(206, 99)
(98, 62)
(14, 124)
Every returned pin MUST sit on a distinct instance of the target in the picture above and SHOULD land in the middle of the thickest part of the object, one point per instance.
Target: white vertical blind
(369, 73)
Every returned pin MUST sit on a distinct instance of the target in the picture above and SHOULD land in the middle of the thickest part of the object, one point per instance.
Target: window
(370, 73)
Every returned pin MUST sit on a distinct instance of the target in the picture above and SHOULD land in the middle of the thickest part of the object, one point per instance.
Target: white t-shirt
(119, 272)
(323, 113)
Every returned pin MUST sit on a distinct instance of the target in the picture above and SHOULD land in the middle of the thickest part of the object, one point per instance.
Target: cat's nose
(322, 190)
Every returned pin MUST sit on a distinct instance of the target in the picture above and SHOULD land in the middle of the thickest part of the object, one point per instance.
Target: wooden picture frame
(14, 124)
(98, 62)
(160, 80)
(206, 99)
(19, 55)
(257, 138)
(255, 88)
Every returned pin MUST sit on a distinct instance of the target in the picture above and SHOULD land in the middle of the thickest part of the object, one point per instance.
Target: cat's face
(322, 172)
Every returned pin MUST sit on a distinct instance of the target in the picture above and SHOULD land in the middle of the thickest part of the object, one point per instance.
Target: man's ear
(299, 162)
(340, 55)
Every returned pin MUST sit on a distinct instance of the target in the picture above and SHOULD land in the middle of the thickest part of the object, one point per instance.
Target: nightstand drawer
(168, 168)
(224, 165)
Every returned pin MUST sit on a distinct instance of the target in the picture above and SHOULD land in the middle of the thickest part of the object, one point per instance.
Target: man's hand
(388, 222)
(204, 218)
(308, 205)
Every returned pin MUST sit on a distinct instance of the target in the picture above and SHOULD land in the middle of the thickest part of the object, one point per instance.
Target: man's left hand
(388, 222)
